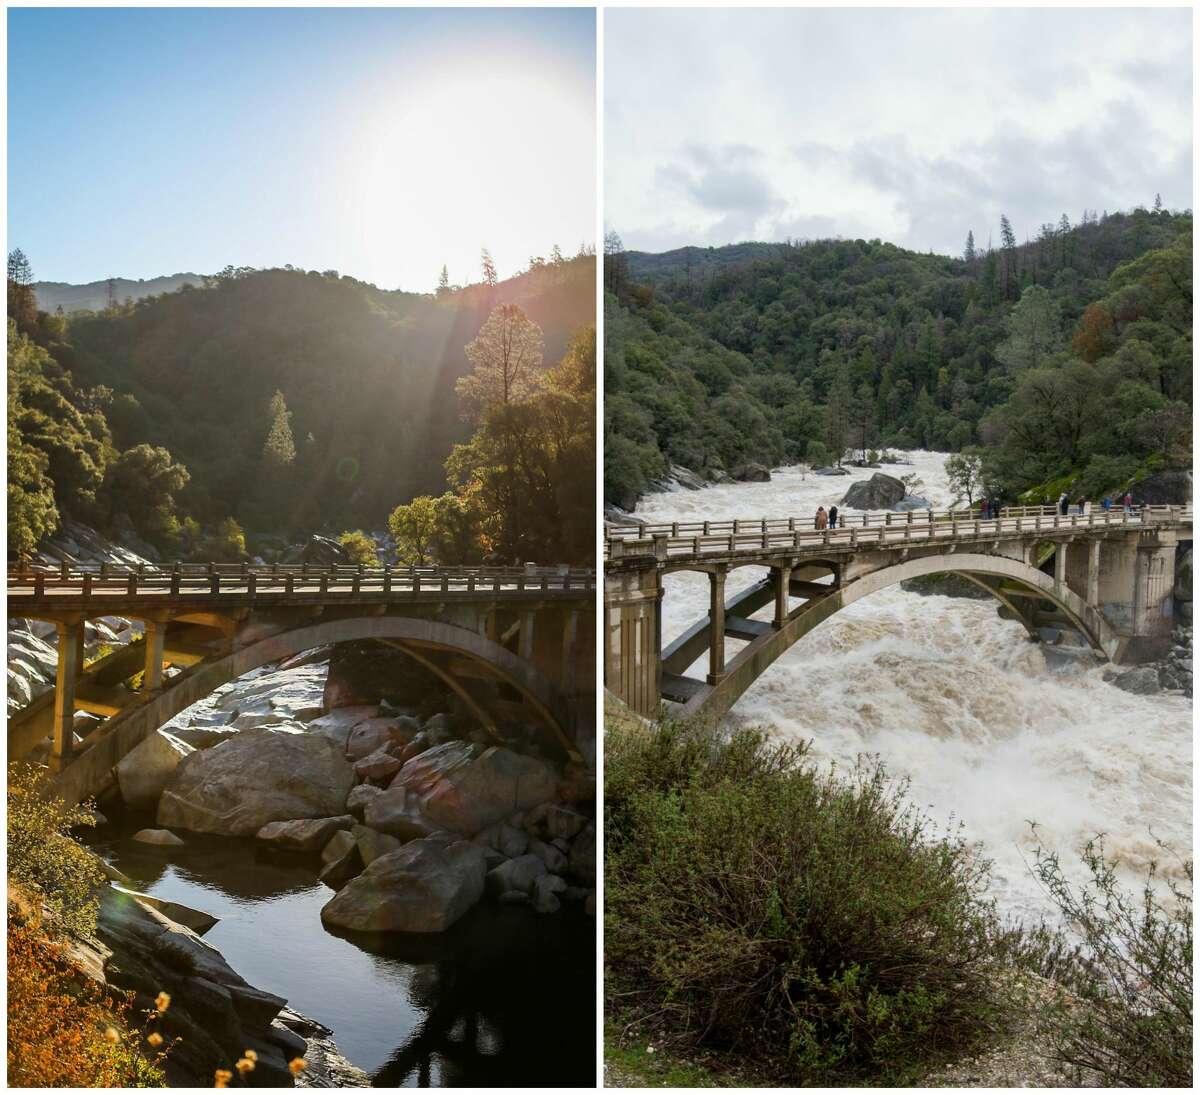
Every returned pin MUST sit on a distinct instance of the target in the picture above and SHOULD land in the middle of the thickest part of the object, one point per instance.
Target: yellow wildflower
(112, 1035)
(154, 1038)
(297, 1065)
(162, 1001)
(222, 1077)
(250, 1055)
(244, 1065)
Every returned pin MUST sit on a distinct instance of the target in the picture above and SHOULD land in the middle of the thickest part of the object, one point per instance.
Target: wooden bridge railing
(663, 540)
(103, 580)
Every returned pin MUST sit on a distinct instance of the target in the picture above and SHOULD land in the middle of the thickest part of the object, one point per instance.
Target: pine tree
(22, 301)
(279, 449)
(489, 267)
(1158, 203)
(556, 255)
(1008, 248)
(443, 281)
(969, 250)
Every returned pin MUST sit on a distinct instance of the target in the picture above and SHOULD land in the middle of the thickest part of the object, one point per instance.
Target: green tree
(1034, 331)
(279, 448)
(32, 513)
(414, 526)
(505, 357)
(359, 548)
(142, 483)
(964, 475)
(489, 268)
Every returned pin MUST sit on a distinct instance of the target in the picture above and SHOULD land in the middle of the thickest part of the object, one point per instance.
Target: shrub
(61, 1030)
(360, 548)
(227, 544)
(1126, 1020)
(42, 855)
(808, 920)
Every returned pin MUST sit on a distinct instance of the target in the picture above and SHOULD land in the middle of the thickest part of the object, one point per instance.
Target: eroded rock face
(144, 771)
(1142, 681)
(259, 776)
(879, 492)
(424, 886)
(464, 788)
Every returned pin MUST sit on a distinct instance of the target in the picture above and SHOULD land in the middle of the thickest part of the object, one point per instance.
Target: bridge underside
(1105, 594)
(510, 669)
(1025, 594)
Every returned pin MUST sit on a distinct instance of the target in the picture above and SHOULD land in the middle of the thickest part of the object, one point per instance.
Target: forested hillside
(287, 400)
(94, 296)
(1065, 357)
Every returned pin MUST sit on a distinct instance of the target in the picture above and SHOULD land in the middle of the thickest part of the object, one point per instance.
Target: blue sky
(380, 143)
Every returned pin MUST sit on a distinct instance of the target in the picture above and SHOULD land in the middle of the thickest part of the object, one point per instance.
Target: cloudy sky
(908, 125)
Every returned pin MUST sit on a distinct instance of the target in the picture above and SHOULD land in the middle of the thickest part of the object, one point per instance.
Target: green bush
(811, 921)
(360, 548)
(42, 855)
(1125, 1019)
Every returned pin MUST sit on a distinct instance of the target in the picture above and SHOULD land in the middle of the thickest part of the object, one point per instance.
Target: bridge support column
(783, 580)
(525, 637)
(156, 633)
(570, 632)
(1060, 562)
(1093, 574)
(716, 629)
(70, 664)
(633, 639)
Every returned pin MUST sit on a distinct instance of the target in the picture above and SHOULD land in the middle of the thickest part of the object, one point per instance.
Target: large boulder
(751, 473)
(1164, 488)
(515, 875)
(686, 478)
(1142, 681)
(881, 491)
(305, 835)
(323, 551)
(423, 887)
(464, 787)
(144, 771)
(237, 787)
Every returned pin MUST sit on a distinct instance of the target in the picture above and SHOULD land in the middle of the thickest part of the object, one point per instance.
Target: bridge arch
(415, 636)
(751, 662)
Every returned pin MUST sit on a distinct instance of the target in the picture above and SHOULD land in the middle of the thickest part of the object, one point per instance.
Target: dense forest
(279, 401)
(1063, 360)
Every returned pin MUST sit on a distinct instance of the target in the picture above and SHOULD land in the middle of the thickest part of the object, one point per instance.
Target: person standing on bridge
(833, 514)
(1063, 503)
(1128, 502)
(822, 519)
(1107, 503)
(985, 509)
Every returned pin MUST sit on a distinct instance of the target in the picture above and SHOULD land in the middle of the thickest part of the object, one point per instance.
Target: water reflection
(505, 998)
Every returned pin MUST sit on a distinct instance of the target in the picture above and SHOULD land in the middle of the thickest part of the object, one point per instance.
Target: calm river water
(505, 998)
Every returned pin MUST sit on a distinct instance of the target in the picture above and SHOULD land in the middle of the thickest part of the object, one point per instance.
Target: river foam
(957, 701)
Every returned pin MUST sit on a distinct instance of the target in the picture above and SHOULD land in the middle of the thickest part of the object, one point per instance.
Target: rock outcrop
(751, 473)
(259, 776)
(425, 886)
(463, 788)
(145, 770)
(881, 491)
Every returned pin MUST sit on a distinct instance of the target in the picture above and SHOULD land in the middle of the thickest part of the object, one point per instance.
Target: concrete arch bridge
(514, 645)
(1102, 579)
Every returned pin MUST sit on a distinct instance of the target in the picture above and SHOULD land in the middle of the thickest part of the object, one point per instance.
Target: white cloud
(912, 125)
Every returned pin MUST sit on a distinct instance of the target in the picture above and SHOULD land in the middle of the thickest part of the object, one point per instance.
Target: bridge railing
(107, 581)
(662, 540)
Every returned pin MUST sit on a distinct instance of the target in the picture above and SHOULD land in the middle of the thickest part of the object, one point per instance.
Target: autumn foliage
(62, 1032)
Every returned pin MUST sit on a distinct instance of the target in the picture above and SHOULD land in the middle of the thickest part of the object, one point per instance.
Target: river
(957, 701)
(506, 998)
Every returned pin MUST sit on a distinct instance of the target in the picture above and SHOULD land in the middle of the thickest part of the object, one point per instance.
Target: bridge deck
(117, 591)
(679, 542)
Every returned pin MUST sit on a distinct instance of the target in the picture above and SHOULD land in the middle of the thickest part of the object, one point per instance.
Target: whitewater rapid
(959, 702)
